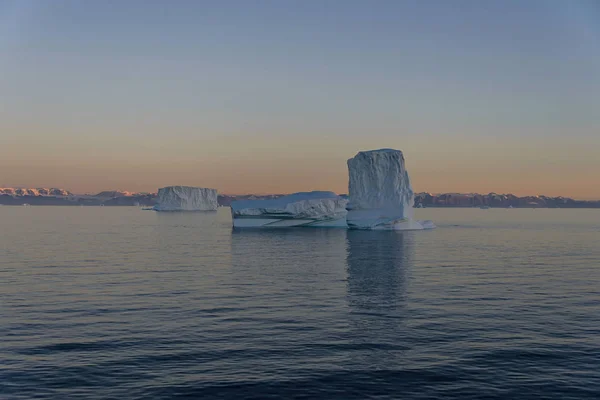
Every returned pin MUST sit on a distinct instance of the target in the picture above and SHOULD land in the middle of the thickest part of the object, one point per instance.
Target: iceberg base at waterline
(384, 220)
(304, 209)
(283, 222)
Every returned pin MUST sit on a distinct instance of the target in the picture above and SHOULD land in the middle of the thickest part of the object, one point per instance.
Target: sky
(256, 96)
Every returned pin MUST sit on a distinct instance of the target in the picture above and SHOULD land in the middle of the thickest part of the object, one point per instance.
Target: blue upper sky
(457, 85)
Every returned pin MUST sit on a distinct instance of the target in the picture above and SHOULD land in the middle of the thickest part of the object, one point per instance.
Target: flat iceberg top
(380, 151)
(180, 187)
(282, 202)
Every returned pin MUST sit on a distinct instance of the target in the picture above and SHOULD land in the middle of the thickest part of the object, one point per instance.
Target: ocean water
(119, 303)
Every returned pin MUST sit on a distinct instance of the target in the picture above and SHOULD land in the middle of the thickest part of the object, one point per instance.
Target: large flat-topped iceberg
(380, 193)
(186, 198)
(315, 209)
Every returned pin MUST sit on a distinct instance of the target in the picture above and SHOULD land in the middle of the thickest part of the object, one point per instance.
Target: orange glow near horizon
(263, 170)
(101, 96)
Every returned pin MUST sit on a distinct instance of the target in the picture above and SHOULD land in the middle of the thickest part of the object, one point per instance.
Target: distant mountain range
(34, 192)
(499, 200)
(62, 197)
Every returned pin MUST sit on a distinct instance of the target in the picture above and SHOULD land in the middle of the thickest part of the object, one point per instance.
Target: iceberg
(306, 209)
(380, 193)
(186, 198)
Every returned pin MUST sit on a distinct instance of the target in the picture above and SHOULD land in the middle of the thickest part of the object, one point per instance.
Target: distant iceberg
(306, 209)
(186, 198)
(380, 193)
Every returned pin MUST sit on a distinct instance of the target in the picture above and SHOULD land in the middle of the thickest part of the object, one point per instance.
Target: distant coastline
(494, 200)
(61, 197)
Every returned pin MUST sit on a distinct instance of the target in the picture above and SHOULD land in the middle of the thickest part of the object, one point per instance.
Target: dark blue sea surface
(119, 303)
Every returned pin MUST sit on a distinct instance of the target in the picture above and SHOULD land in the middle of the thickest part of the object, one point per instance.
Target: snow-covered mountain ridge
(35, 192)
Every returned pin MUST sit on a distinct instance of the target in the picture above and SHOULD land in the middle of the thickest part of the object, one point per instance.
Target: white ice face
(298, 209)
(186, 198)
(381, 196)
(379, 180)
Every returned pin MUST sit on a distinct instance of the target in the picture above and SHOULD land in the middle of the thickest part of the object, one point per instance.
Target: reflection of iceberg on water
(381, 196)
(186, 198)
(378, 264)
(306, 209)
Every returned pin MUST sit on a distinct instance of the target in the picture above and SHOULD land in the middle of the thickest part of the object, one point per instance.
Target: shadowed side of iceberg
(304, 209)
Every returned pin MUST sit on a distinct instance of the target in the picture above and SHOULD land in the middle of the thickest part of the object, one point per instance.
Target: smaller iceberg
(306, 209)
(186, 198)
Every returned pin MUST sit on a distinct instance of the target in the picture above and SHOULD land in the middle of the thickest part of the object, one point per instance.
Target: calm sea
(119, 303)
